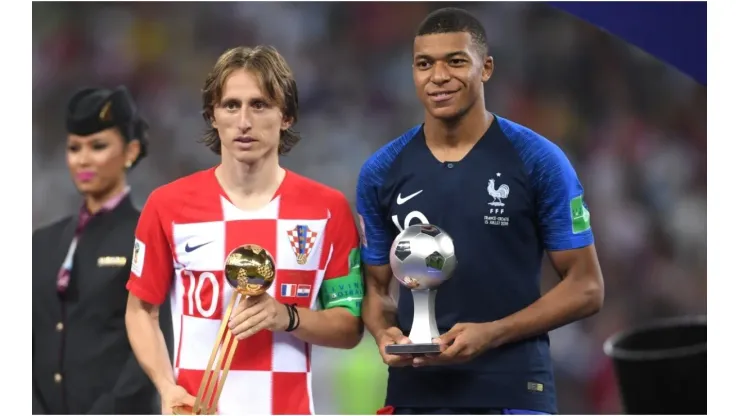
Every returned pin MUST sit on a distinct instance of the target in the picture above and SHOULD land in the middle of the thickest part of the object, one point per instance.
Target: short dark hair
(452, 20)
(275, 78)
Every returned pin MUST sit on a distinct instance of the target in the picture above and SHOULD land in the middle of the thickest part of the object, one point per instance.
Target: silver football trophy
(422, 258)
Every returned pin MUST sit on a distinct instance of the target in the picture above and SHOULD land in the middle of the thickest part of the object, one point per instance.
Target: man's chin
(247, 156)
(447, 114)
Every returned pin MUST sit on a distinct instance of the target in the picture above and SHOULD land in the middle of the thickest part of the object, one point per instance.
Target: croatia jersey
(186, 230)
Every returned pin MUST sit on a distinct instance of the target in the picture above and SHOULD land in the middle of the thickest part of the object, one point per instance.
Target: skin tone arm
(379, 314)
(148, 344)
(579, 294)
(334, 328)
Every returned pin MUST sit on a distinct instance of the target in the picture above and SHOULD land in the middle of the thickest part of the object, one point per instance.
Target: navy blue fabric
(505, 203)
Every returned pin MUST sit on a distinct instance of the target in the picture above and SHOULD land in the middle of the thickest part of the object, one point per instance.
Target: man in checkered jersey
(188, 227)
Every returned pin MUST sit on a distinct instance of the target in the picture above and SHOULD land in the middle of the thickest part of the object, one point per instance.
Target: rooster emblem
(502, 192)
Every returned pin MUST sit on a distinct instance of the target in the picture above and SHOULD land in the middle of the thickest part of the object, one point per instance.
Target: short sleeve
(376, 242)
(342, 285)
(563, 215)
(151, 264)
(342, 233)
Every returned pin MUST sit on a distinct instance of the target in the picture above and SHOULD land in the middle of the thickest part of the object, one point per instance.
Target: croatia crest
(302, 240)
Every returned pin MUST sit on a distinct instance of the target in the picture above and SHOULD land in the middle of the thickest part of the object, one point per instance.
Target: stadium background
(634, 128)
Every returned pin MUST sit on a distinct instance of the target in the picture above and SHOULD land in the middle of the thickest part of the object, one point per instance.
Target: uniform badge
(111, 261)
(137, 260)
(302, 240)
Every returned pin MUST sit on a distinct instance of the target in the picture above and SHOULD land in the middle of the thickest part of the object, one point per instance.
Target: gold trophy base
(188, 410)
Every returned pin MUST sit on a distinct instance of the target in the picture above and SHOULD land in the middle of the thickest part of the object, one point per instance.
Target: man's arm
(338, 325)
(579, 295)
(148, 285)
(378, 308)
(148, 343)
(132, 379)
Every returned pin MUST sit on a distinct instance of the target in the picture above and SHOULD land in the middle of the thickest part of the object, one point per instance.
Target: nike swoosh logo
(401, 200)
(189, 248)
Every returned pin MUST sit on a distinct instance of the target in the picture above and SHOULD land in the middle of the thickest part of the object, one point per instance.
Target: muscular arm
(148, 343)
(564, 222)
(378, 309)
(579, 294)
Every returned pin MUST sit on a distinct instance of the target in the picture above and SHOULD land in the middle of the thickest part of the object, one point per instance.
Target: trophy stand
(423, 328)
(250, 270)
(422, 258)
(213, 378)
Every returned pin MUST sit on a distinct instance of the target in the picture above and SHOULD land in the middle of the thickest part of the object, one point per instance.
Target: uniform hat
(91, 110)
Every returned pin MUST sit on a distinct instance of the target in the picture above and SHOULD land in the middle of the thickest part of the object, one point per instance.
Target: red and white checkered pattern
(270, 372)
(311, 237)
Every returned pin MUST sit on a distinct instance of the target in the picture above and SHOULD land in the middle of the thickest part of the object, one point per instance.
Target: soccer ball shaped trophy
(422, 258)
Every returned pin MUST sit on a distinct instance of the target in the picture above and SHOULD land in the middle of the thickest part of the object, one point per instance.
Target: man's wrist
(284, 316)
(379, 332)
(497, 331)
(163, 384)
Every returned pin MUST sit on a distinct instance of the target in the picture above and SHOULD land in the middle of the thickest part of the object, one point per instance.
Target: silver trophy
(422, 258)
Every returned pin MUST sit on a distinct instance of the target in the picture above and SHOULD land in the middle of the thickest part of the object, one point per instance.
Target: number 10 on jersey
(250, 270)
(413, 215)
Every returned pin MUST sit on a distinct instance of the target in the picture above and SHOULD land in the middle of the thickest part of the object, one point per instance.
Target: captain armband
(343, 292)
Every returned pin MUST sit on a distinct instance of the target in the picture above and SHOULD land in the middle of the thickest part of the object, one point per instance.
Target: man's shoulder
(536, 151)
(525, 139)
(380, 162)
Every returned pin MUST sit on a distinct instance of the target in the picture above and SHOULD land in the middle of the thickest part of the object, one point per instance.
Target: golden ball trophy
(250, 270)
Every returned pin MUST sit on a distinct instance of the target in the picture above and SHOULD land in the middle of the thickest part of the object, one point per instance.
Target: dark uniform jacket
(82, 359)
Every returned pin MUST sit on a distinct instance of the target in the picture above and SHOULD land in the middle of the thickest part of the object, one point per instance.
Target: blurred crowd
(634, 128)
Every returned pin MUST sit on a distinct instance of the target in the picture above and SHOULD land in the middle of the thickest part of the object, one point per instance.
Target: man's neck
(243, 180)
(461, 132)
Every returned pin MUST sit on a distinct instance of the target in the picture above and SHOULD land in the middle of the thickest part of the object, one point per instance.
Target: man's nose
(245, 122)
(440, 73)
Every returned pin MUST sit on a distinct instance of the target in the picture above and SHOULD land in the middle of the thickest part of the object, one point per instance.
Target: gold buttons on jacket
(57, 378)
(60, 327)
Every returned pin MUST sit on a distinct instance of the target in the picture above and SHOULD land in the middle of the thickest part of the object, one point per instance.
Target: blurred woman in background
(82, 360)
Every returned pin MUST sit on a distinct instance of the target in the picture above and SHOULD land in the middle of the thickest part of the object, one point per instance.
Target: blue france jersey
(514, 195)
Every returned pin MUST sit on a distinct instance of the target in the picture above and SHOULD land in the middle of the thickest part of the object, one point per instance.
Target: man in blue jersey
(506, 195)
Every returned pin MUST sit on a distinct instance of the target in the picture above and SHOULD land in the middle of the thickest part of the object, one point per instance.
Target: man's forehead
(242, 82)
(443, 43)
